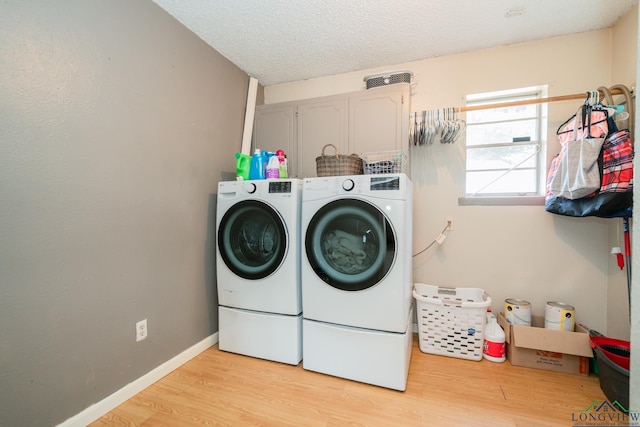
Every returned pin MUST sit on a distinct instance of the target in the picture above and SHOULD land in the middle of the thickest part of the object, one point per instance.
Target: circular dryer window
(252, 239)
(350, 244)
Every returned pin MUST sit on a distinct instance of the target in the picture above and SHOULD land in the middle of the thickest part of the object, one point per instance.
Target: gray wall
(116, 123)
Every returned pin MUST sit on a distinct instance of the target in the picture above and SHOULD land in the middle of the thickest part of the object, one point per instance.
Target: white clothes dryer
(358, 241)
(258, 268)
(357, 276)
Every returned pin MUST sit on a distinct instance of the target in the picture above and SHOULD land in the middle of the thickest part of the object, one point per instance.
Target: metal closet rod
(535, 101)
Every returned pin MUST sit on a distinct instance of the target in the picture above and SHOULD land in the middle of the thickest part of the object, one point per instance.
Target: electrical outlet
(141, 330)
(449, 224)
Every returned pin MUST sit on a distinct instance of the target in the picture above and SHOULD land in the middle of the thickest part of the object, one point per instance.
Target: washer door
(252, 239)
(350, 244)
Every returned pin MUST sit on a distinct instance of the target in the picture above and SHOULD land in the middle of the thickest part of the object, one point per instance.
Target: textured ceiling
(278, 41)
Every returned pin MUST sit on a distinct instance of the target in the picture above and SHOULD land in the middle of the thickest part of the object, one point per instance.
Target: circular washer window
(252, 239)
(350, 244)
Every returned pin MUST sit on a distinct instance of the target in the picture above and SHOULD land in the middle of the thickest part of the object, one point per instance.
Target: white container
(494, 340)
(451, 321)
(559, 316)
(273, 167)
(517, 311)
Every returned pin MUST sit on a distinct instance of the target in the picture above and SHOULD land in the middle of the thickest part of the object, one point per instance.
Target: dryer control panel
(280, 187)
(385, 183)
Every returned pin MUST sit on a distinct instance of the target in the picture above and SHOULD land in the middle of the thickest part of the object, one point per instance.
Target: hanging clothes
(614, 198)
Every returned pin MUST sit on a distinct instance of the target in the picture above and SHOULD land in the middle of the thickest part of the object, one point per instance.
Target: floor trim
(109, 403)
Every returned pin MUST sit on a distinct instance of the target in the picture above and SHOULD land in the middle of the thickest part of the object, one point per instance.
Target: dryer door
(350, 244)
(252, 239)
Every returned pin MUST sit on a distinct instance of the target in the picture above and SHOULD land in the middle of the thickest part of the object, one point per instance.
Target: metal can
(559, 316)
(517, 311)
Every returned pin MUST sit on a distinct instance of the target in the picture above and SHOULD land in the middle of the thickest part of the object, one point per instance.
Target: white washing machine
(258, 268)
(357, 277)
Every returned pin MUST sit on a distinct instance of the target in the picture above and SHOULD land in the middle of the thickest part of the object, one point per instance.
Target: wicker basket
(338, 164)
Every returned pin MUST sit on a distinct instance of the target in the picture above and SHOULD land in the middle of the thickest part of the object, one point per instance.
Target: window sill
(502, 201)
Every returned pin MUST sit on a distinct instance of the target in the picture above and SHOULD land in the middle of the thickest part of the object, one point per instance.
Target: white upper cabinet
(359, 122)
(274, 127)
(379, 120)
(320, 123)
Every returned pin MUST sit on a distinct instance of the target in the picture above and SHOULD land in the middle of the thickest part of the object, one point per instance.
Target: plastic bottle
(257, 169)
(243, 165)
(283, 164)
(273, 167)
(494, 345)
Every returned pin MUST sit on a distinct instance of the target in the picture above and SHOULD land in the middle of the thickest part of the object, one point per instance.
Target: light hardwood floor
(220, 388)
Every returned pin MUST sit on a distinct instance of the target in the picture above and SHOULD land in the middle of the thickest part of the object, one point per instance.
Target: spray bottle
(282, 159)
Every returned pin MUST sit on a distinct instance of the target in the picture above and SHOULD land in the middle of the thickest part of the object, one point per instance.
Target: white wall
(513, 251)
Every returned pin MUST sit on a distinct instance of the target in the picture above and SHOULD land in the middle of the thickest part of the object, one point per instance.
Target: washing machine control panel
(348, 185)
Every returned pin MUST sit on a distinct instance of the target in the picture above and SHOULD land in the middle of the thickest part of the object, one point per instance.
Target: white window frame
(513, 95)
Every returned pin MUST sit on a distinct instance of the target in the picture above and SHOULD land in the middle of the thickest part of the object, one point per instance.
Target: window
(505, 145)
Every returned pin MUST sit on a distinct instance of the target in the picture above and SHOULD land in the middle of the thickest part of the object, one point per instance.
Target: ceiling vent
(388, 78)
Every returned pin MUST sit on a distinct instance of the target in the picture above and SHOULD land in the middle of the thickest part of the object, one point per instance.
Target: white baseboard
(109, 403)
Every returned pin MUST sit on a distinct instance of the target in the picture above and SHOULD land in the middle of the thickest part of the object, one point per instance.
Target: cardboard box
(540, 348)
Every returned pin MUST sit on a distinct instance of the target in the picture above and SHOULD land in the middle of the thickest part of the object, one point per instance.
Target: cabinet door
(274, 129)
(320, 123)
(379, 120)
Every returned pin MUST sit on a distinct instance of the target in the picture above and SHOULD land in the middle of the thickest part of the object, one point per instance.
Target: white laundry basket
(451, 321)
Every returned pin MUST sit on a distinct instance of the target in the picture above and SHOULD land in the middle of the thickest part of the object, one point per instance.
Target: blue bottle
(257, 169)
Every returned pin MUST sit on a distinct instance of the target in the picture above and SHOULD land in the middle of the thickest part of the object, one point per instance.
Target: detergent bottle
(273, 167)
(257, 169)
(243, 164)
(282, 160)
(494, 340)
